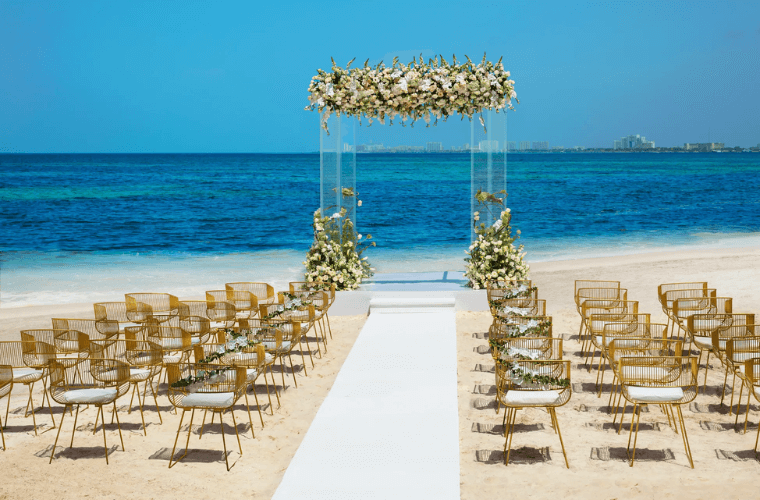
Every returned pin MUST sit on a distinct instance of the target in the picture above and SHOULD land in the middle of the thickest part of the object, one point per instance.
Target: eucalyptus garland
(533, 328)
(239, 342)
(521, 375)
(294, 303)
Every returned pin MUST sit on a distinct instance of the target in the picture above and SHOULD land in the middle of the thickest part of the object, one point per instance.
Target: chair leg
(510, 433)
(559, 433)
(45, 396)
(266, 384)
(258, 406)
(707, 368)
(118, 425)
(103, 420)
(329, 328)
(308, 346)
(139, 402)
(746, 414)
(292, 370)
(739, 404)
(247, 406)
(234, 423)
(638, 417)
(756, 439)
(155, 399)
(57, 435)
(2, 434)
(303, 359)
(34, 419)
(71, 445)
(224, 441)
(725, 380)
(733, 388)
(274, 386)
(630, 431)
(685, 437)
(177, 438)
(203, 423)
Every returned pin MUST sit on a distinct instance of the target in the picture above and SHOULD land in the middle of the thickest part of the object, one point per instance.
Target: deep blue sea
(93, 207)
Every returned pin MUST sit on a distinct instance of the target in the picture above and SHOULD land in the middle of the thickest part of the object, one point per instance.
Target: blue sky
(190, 76)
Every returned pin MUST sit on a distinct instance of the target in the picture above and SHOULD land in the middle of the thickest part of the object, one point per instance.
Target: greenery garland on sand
(413, 91)
(335, 255)
(493, 255)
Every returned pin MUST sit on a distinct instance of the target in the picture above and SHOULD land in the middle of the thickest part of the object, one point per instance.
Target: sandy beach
(725, 464)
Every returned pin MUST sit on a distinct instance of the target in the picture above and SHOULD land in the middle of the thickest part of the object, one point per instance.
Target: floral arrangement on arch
(335, 255)
(413, 91)
(493, 256)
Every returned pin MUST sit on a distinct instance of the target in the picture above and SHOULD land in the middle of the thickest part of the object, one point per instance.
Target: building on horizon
(347, 148)
(633, 142)
(434, 147)
(511, 146)
(524, 145)
(540, 146)
(486, 146)
(703, 146)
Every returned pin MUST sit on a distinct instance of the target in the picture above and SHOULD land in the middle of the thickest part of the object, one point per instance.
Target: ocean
(197, 219)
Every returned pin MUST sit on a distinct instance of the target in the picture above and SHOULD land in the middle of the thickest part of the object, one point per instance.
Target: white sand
(724, 460)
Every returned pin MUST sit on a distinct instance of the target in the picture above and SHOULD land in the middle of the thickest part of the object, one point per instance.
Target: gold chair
(264, 292)
(176, 344)
(750, 374)
(671, 296)
(304, 316)
(660, 380)
(91, 327)
(6, 386)
(97, 382)
(666, 287)
(232, 354)
(12, 355)
(518, 307)
(511, 289)
(510, 349)
(710, 333)
(582, 284)
(311, 286)
(602, 296)
(640, 347)
(687, 306)
(246, 304)
(620, 331)
(111, 317)
(271, 335)
(142, 307)
(204, 387)
(520, 326)
(194, 319)
(533, 383)
(220, 311)
(738, 351)
(145, 362)
(321, 302)
(597, 313)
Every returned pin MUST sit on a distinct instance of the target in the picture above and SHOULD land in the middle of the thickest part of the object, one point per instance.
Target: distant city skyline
(142, 76)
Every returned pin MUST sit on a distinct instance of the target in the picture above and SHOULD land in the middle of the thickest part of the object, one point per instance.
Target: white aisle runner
(389, 428)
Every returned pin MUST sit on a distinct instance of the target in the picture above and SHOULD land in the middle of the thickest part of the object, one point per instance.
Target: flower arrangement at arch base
(493, 256)
(335, 255)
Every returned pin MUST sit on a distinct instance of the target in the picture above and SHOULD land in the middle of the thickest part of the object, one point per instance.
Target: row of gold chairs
(96, 361)
(529, 367)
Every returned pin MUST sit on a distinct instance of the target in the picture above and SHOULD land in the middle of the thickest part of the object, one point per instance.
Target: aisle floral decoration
(522, 375)
(238, 342)
(293, 303)
(493, 255)
(414, 91)
(335, 255)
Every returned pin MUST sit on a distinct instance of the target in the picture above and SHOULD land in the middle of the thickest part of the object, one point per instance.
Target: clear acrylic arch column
(488, 162)
(337, 167)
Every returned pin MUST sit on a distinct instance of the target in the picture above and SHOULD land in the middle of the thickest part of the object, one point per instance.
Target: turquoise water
(66, 213)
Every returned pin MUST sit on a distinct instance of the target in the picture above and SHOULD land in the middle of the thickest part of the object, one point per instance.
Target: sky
(192, 76)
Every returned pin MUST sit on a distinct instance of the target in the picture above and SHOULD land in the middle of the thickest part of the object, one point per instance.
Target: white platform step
(411, 305)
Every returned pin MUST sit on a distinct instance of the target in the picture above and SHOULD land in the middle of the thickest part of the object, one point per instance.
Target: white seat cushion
(171, 343)
(195, 340)
(89, 396)
(706, 343)
(742, 370)
(172, 359)
(26, 375)
(272, 345)
(209, 400)
(655, 394)
(741, 356)
(251, 373)
(304, 327)
(531, 398)
(620, 341)
(138, 374)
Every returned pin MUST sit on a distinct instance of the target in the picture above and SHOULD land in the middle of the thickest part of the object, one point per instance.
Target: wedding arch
(429, 91)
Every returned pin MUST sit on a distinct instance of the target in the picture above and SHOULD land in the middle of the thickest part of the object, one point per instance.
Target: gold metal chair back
(15, 355)
(518, 307)
(264, 292)
(194, 319)
(580, 284)
(87, 326)
(313, 286)
(511, 289)
(110, 317)
(142, 307)
(666, 287)
(520, 326)
(6, 386)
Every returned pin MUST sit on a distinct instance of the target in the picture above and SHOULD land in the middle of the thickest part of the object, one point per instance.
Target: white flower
(336, 215)
(497, 225)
